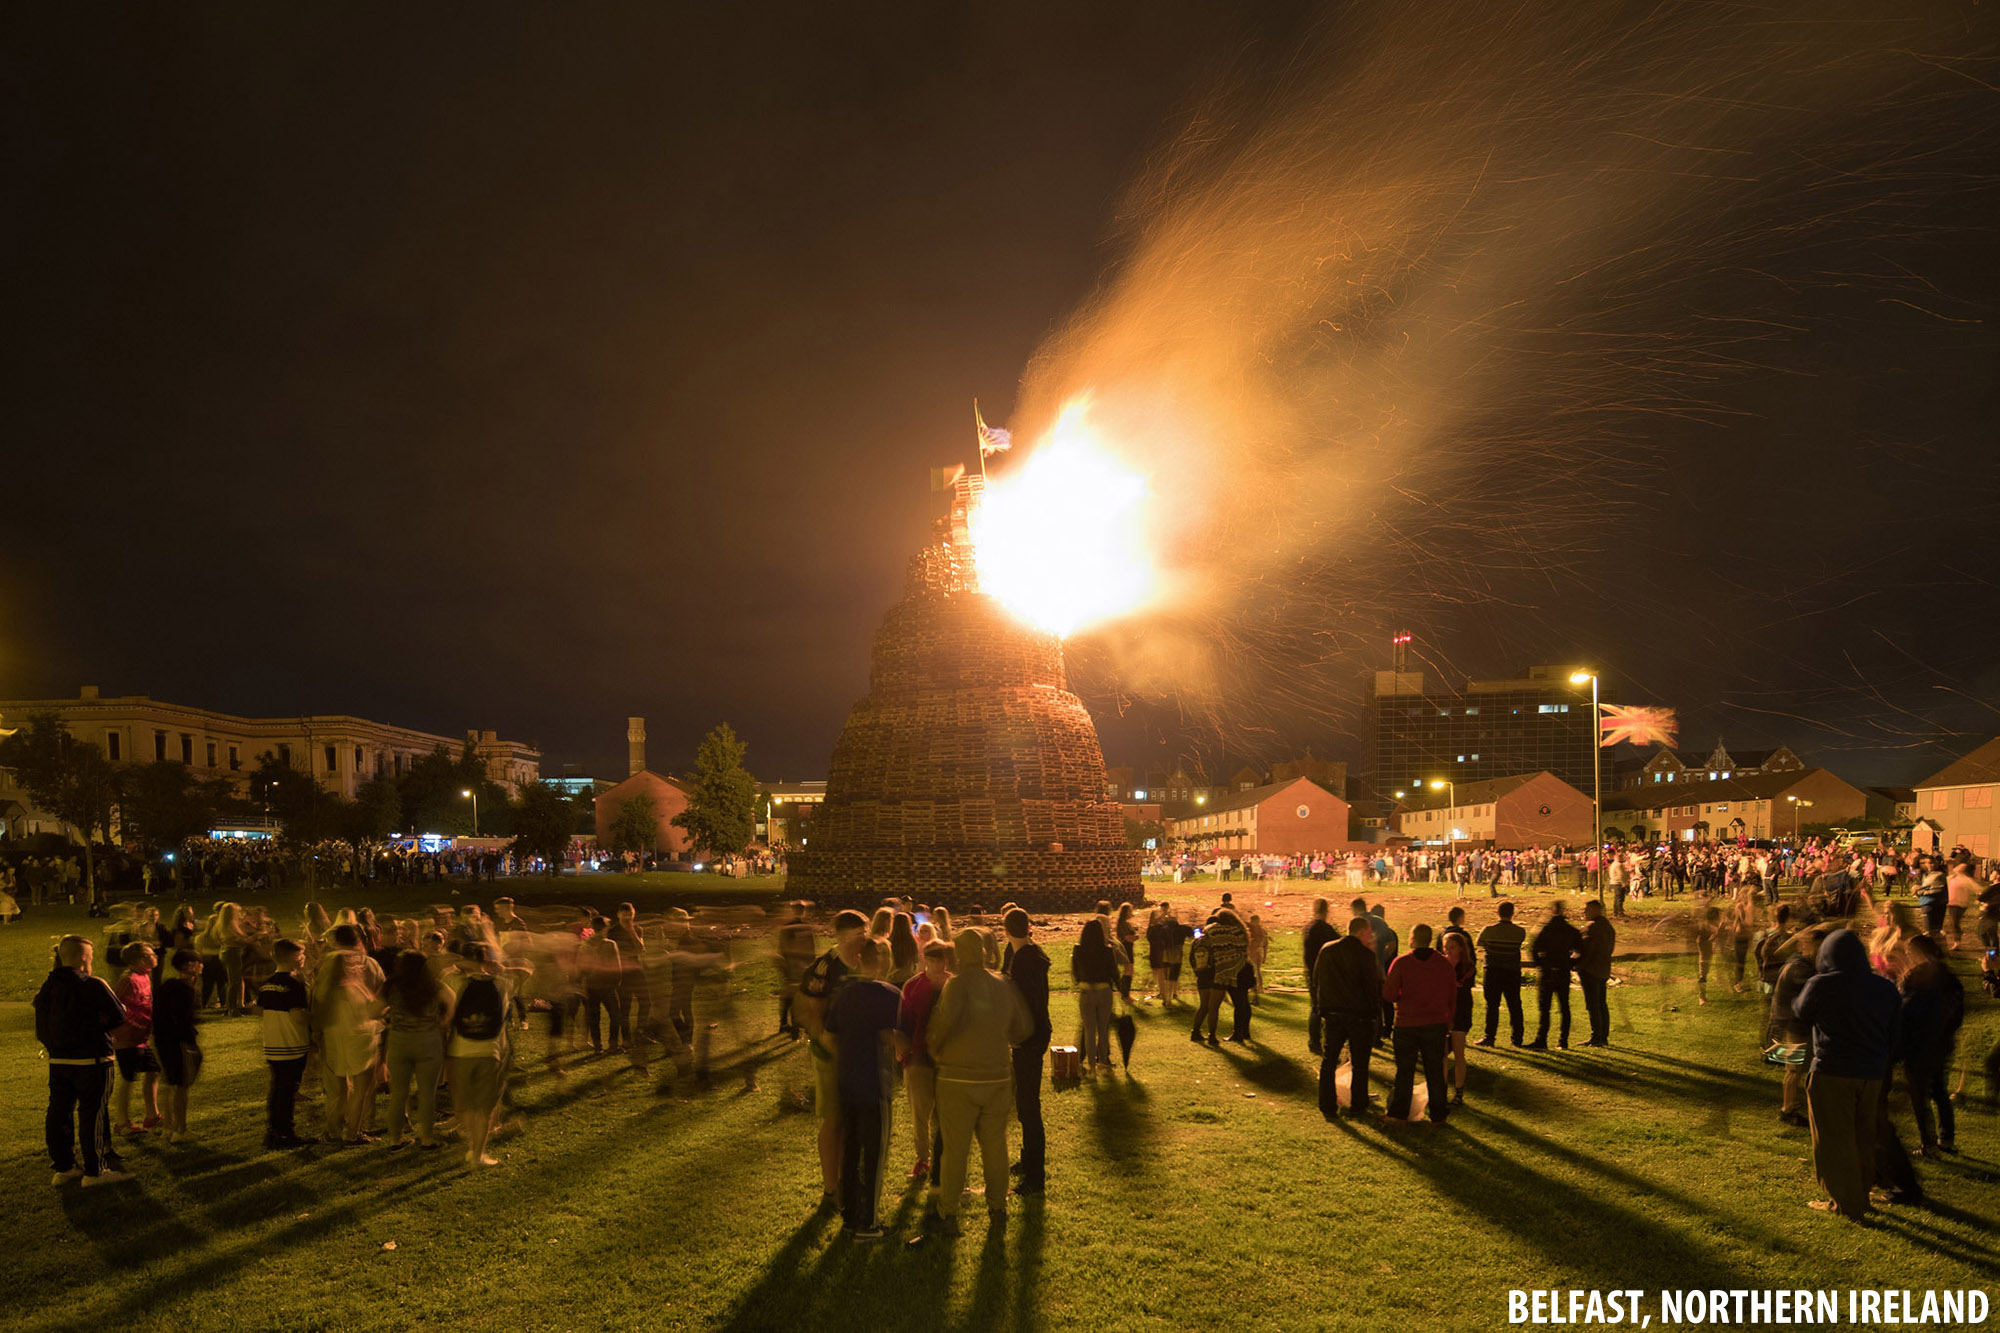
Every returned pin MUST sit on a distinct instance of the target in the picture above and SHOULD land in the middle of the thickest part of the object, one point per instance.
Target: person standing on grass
(1555, 949)
(131, 1040)
(343, 995)
(1028, 973)
(1792, 1033)
(176, 1042)
(602, 965)
(861, 1025)
(1593, 969)
(795, 954)
(1229, 956)
(822, 983)
(1386, 948)
(1933, 1009)
(75, 1014)
(418, 1009)
(1423, 986)
(1455, 925)
(1094, 966)
(1854, 1015)
(1458, 951)
(978, 1016)
(482, 992)
(635, 995)
(1347, 992)
(1318, 935)
(919, 1069)
(285, 1019)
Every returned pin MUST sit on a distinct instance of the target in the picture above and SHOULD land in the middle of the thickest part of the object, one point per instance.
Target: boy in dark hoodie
(1853, 1014)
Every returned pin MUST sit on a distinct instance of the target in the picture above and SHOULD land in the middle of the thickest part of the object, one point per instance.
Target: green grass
(1204, 1191)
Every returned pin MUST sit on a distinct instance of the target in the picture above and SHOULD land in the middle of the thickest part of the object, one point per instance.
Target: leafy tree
(161, 805)
(721, 814)
(70, 779)
(544, 821)
(636, 826)
(1138, 831)
(377, 811)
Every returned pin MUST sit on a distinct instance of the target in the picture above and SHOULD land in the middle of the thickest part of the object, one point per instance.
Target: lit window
(1725, 775)
(1472, 712)
(1461, 759)
(1553, 708)
(1475, 756)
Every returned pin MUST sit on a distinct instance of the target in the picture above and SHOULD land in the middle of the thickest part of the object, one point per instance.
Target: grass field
(1202, 1190)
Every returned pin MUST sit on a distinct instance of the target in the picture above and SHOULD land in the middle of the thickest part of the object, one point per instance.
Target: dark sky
(466, 367)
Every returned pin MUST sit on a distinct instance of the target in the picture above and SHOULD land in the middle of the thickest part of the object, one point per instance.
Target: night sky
(482, 368)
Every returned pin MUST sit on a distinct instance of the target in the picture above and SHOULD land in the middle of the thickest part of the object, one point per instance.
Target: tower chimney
(635, 745)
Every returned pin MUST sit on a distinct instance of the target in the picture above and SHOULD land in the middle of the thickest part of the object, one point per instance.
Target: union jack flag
(992, 439)
(1637, 724)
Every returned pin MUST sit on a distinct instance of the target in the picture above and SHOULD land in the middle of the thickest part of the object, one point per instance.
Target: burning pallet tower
(970, 773)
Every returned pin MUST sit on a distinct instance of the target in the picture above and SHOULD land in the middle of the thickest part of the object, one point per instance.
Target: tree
(377, 811)
(721, 814)
(70, 779)
(1142, 833)
(636, 826)
(544, 821)
(161, 805)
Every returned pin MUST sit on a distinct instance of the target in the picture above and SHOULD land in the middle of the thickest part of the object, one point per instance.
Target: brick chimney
(635, 746)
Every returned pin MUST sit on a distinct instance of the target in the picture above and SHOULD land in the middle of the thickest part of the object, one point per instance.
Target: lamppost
(1797, 805)
(472, 796)
(1596, 782)
(1450, 833)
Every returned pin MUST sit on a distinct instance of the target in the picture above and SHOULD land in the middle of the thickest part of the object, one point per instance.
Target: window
(112, 744)
(1552, 708)
(1978, 798)
(187, 749)
(332, 759)
(399, 766)
(358, 765)
(1725, 775)
(235, 759)
(1461, 759)
(1444, 712)
(1472, 712)
(1976, 843)
(209, 750)
(160, 747)
(285, 755)
(1475, 757)
(1941, 800)
(1656, 777)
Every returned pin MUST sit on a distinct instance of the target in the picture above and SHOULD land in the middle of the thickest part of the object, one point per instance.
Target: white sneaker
(65, 1177)
(107, 1177)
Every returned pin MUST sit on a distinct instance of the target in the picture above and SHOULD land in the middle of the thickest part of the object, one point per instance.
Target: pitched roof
(1244, 800)
(1981, 766)
(1483, 792)
(1756, 787)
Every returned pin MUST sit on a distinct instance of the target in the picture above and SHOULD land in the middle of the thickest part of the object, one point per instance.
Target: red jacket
(1423, 985)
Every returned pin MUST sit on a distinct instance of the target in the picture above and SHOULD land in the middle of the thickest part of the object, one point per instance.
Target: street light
(472, 796)
(1596, 781)
(1450, 833)
(1797, 805)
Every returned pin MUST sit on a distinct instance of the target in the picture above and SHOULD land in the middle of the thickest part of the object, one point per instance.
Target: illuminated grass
(1204, 1188)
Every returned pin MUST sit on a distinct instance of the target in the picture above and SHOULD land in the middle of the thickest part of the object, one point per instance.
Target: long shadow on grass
(1567, 1223)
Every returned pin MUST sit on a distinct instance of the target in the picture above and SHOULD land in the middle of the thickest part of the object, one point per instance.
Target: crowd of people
(911, 1014)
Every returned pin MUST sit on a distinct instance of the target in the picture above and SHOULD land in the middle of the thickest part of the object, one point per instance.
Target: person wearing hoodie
(1386, 948)
(1593, 969)
(1790, 1032)
(1423, 986)
(1318, 935)
(1933, 1010)
(1027, 970)
(1854, 1015)
(1555, 948)
(977, 1020)
(75, 1013)
(1347, 994)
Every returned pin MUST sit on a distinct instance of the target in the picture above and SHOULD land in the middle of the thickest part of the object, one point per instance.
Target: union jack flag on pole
(992, 439)
(1637, 724)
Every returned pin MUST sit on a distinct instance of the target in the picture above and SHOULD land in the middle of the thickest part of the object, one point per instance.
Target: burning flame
(1061, 538)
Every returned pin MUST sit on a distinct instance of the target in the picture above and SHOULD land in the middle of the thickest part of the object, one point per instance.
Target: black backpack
(480, 1014)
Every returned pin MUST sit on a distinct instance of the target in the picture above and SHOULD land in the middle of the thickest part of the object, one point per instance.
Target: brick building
(1526, 810)
(1958, 803)
(669, 799)
(1278, 819)
(1766, 805)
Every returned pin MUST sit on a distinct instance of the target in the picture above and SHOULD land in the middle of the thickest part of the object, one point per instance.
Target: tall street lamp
(1596, 781)
(1450, 833)
(1797, 805)
(472, 796)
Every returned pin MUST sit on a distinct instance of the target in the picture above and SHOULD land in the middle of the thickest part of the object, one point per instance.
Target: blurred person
(1386, 947)
(1228, 941)
(1465, 969)
(822, 983)
(477, 1048)
(131, 1040)
(1792, 1034)
(1933, 1010)
(176, 1040)
(1094, 966)
(796, 947)
(861, 1026)
(344, 995)
(919, 1068)
(418, 1010)
(977, 1018)
(601, 968)
(1125, 934)
(635, 995)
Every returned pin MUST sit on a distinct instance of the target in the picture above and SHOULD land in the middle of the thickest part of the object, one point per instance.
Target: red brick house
(1279, 819)
(669, 799)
